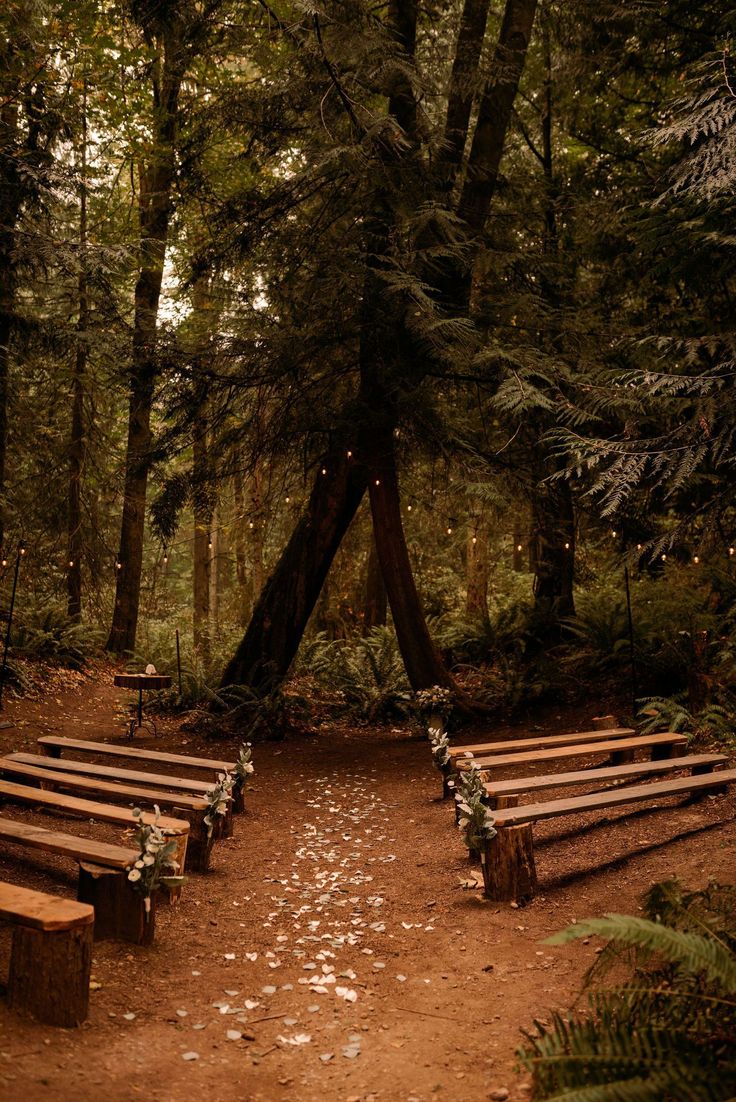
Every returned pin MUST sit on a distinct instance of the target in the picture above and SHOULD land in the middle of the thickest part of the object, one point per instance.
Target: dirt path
(332, 953)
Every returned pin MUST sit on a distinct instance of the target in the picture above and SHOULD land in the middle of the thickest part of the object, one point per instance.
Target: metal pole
(178, 662)
(19, 556)
(632, 659)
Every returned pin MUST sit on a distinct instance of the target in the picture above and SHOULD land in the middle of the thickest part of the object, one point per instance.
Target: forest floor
(345, 868)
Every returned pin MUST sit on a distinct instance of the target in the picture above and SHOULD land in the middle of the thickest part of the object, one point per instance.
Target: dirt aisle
(332, 953)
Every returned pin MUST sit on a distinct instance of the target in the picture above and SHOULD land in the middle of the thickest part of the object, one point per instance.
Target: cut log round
(120, 911)
(49, 973)
(509, 872)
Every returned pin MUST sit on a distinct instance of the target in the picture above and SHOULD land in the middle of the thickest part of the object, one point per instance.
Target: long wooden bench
(55, 745)
(540, 742)
(103, 878)
(191, 808)
(139, 777)
(91, 809)
(503, 794)
(621, 750)
(50, 956)
(509, 871)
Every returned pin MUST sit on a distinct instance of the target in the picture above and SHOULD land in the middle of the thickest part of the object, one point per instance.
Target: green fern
(669, 1032)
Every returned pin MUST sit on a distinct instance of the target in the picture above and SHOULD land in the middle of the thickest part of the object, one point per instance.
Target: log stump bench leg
(120, 911)
(238, 794)
(509, 871)
(49, 973)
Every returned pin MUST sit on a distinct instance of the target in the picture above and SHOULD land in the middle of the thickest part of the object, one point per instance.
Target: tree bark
(202, 535)
(476, 597)
(423, 662)
(281, 612)
(156, 177)
(375, 605)
(77, 434)
(553, 541)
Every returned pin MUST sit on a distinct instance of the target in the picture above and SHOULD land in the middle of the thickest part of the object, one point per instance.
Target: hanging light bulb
(408, 508)
(732, 550)
(21, 549)
(324, 470)
(71, 564)
(350, 455)
(288, 499)
(567, 546)
(377, 482)
(118, 565)
(519, 547)
(638, 547)
(449, 530)
(696, 559)
(664, 558)
(250, 523)
(613, 533)
(5, 562)
(166, 559)
(475, 539)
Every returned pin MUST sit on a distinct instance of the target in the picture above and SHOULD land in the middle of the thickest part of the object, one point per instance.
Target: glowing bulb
(377, 482)
(71, 563)
(519, 547)
(449, 531)
(288, 499)
(324, 470)
(567, 546)
(732, 550)
(408, 508)
(664, 558)
(350, 455)
(696, 559)
(209, 544)
(5, 562)
(613, 533)
(118, 566)
(250, 523)
(638, 547)
(475, 539)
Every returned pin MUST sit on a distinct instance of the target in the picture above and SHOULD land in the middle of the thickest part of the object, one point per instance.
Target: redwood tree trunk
(290, 594)
(423, 662)
(376, 603)
(77, 435)
(202, 553)
(154, 214)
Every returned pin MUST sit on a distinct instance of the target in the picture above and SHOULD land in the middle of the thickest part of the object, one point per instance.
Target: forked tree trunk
(423, 662)
(290, 594)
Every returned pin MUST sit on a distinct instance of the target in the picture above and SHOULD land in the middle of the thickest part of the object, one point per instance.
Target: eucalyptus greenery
(156, 854)
(218, 797)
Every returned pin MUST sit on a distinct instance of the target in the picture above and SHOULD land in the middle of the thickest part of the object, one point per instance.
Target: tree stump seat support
(50, 956)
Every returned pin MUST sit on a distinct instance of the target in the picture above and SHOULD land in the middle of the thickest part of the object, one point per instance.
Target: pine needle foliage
(668, 1032)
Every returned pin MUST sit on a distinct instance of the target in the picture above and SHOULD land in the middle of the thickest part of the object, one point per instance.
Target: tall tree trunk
(10, 205)
(256, 528)
(245, 591)
(202, 534)
(77, 434)
(375, 605)
(476, 567)
(288, 598)
(423, 662)
(156, 177)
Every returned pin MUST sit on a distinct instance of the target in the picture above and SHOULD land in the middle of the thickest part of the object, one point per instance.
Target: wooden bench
(50, 956)
(503, 794)
(621, 750)
(90, 809)
(509, 872)
(103, 881)
(541, 742)
(55, 745)
(191, 808)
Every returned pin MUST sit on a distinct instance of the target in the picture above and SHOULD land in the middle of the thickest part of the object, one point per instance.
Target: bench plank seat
(509, 871)
(616, 797)
(542, 742)
(42, 911)
(557, 753)
(51, 954)
(191, 808)
(55, 745)
(695, 762)
(133, 776)
(68, 845)
(91, 809)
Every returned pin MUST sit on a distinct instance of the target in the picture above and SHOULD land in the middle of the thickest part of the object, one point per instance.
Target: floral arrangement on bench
(218, 797)
(475, 819)
(157, 852)
(433, 707)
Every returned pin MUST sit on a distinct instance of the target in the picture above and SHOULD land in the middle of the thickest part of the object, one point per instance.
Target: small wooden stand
(139, 682)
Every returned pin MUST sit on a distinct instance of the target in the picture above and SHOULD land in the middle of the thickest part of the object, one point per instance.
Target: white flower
(139, 864)
(134, 875)
(149, 860)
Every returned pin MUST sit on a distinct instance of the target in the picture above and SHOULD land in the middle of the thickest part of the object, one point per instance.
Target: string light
(449, 530)
(118, 565)
(696, 559)
(475, 539)
(519, 547)
(408, 508)
(250, 523)
(21, 549)
(209, 544)
(324, 470)
(613, 533)
(377, 482)
(71, 564)
(567, 546)
(732, 550)
(350, 456)
(664, 558)
(638, 547)
(288, 499)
